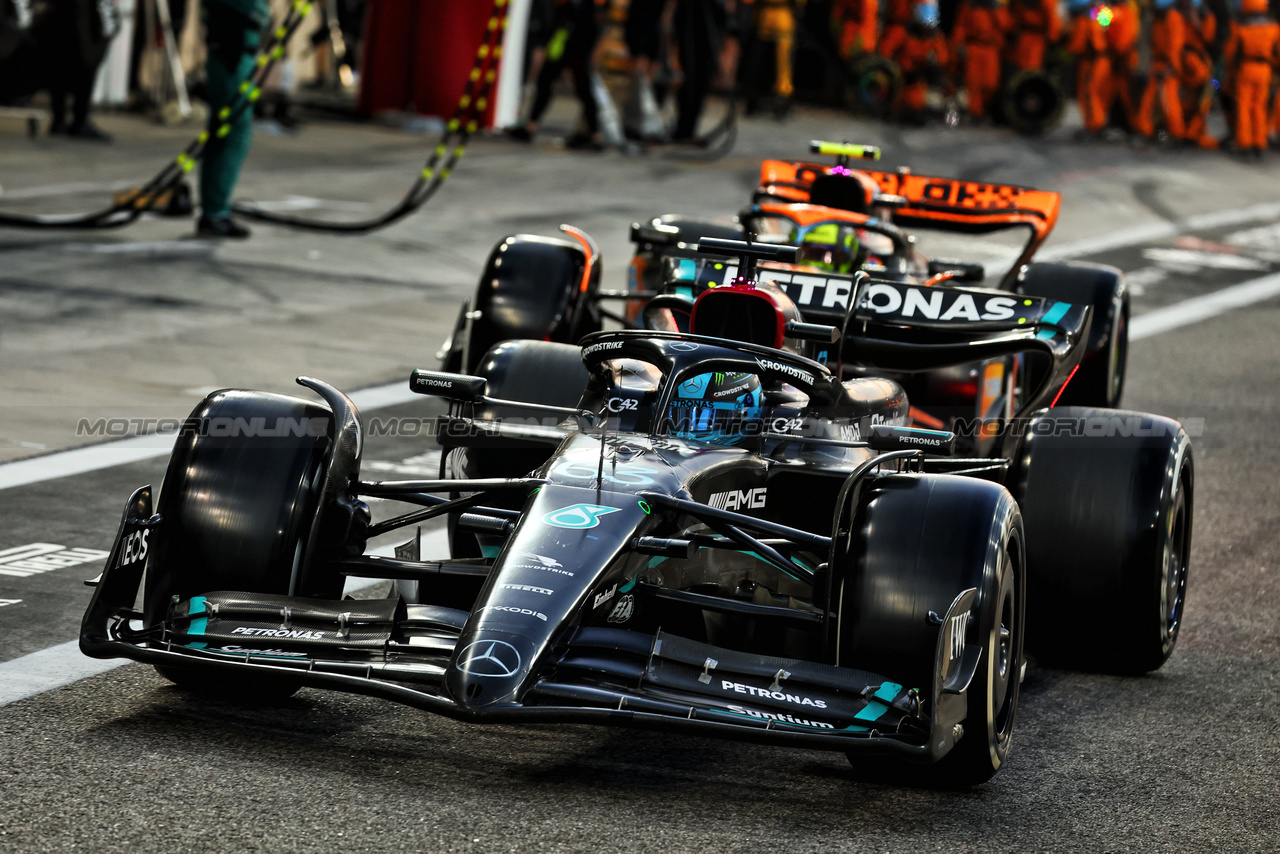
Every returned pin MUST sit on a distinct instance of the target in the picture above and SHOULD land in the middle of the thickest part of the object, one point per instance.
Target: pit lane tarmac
(1184, 759)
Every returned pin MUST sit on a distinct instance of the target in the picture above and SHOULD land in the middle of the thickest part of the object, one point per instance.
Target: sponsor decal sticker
(603, 345)
(434, 382)
(526, 612)
(290, 634)
(935, 304)
(527, 588)
(959, 625)
(604, 597)
(529, 560)
(739, 499)
(781, 696)
(578, 516)
(243, 650)
(134, 547)
(788, 370)
(779, 717)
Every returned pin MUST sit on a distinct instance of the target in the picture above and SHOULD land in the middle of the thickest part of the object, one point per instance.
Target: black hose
(448, 151)
(127, 210)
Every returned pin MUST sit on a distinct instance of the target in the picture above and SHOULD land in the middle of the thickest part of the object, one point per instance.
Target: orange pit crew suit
(978, 42)
(1123, 35)
(1168, 41)
(1252, 49)
(921, 52)
(896, 17)
(1197, 71)
(1087, 42)
(857, 26)
(1036, 26)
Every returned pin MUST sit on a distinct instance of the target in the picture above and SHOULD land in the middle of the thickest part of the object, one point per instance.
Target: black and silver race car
(705, 532)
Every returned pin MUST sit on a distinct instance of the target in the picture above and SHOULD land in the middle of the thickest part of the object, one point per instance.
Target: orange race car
(851, 227)
(853, 220)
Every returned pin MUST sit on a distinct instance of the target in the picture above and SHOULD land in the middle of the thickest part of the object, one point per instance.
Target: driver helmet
(720, 408)
(831, 247)
(926, 15)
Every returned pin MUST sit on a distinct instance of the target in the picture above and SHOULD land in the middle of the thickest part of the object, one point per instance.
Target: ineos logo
(489, 658)
(133, 548)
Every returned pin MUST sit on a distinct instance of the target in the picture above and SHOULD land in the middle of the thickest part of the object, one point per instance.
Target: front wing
(599, 675)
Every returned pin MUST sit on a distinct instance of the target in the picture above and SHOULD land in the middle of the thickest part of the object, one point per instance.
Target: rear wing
(968, 207)
(904, 327)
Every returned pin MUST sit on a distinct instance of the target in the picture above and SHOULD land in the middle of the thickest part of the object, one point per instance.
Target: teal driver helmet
(720, 408)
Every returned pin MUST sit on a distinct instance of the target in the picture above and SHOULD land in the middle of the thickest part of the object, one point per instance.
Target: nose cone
(489, 668)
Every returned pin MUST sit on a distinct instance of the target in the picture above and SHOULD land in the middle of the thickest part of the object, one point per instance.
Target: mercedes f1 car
(845, 219)
(706, 532)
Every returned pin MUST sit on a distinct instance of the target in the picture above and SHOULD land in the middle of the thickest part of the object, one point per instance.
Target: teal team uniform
(234, 29)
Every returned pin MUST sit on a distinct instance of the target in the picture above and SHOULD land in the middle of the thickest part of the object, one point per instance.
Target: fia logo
(623, 610)
(578, 516)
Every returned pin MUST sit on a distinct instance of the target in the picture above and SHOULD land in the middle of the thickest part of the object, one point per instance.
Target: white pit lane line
(138, 448)
(63, 664)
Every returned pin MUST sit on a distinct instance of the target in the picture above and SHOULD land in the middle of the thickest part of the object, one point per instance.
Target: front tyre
(239, 499)
(913, 544)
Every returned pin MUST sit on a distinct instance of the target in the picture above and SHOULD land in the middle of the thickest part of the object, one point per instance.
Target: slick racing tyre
(238, 510)
(532, 288)
(1032, 102)
(875, 85)
(1100, 380)
(1107, 498)
(913, 544)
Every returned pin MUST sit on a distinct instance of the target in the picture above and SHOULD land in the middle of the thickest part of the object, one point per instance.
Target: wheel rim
(1004, 667)
(1173, 575)
(1119, 355)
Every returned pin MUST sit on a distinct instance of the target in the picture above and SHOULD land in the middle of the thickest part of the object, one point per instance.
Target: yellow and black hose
(458, 132)
(128, 209)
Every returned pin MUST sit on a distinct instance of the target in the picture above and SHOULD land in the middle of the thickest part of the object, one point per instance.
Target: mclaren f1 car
(845, 218)
(706, 532)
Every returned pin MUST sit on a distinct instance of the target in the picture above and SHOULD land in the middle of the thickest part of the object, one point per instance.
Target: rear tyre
(1100, 379)
(646, 264)
(238, 510)
(915, 543)
(532, 287)
(1107, 497)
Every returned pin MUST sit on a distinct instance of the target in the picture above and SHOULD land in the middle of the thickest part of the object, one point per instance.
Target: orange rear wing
(971, 206)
